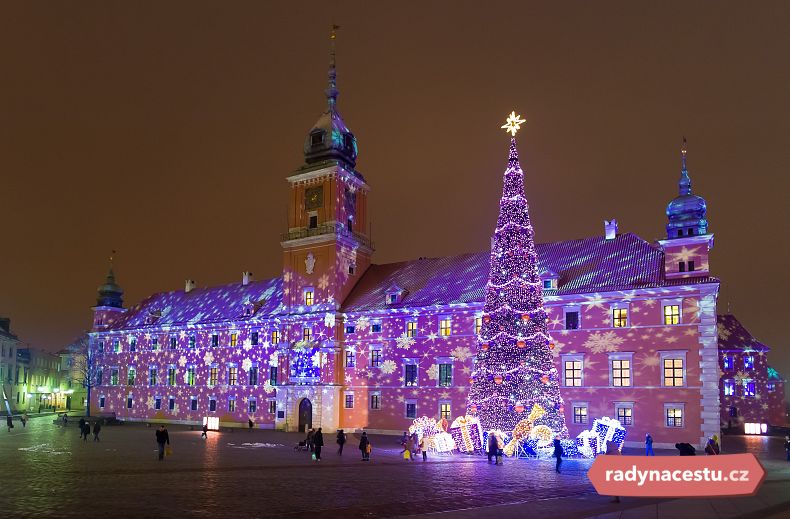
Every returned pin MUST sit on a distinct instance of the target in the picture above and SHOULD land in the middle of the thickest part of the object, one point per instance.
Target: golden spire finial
(513, 123)
(333, 31)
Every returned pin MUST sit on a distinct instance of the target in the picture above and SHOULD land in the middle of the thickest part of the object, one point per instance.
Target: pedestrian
(205, 431)
(96, 430)
(161, 438)
(364, 446)
(250, 424)
(613, 450)
(309, 440)
(65, 420)
(404, 438)
(716, 447)
(318, 442)
(500, 445)
(492, 446)
(9, 421)
(86, 430)
(415, 442)
(787, 447)
(23, 419)
(423, 450)
(649, 445)
(558, 453)
(407, 448)
(341, 440)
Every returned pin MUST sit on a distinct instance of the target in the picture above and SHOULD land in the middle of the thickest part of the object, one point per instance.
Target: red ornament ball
(544, 379)
(519, 408)
(498, 379)
(551, 345)
(486, 319)
(521, 343)
(525, 317)
(484, 346)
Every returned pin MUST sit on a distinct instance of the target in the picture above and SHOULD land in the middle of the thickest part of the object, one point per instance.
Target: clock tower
(326, 248)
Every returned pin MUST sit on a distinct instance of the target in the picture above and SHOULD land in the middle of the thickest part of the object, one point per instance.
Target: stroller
(301, 446)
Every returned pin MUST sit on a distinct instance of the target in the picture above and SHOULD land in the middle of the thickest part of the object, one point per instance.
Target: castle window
(350, 329)
(101, 402)
(213, 376)
(253, 375)
(748, 362)
(674, 415)
(625, 413)
(445, 410)
(771, 387)
(748, 387)
(691, 266)
(151, 376)
(116, 346)
(672, 314)
(193, 403)
(572, 320)
(348, 400)
(192, 340)
(375, 358)
(171, 376)
(254, 338)
(313, 222)
(308, 296)
(478, 325)
(190, 378)
(272, 406)
(154, 344)
(682, 266)
(375, 327)
(729, 362)
(580, 413)
(411, 329)
(233, 375)
(729, 387)
(212, 404)
(674, 373)
(411, 409)
(375, 400)
(171, 403)
(351, 359)
(620, 369)
(133, 345)
(445, 328)
(410, 375)
(131, 374)
(572, 368)
(114, 377)
(253, 405)
(275, 336)
(307, 334)
(272, 375)
(129, 401)
(173, 343)
(620, 317)
(690, 232)
(215, 340)
(158, 403)
(233, 338)
(232, 404)
(446, 375)
(316, 138)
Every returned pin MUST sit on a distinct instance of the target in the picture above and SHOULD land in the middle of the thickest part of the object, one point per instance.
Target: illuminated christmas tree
(514, 380)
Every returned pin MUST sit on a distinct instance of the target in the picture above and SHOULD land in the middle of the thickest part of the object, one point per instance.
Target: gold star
(513, 123)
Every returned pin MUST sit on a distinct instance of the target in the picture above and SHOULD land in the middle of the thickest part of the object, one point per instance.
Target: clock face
(314, 197)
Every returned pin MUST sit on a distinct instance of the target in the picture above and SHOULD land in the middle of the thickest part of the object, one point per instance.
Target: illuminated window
(445, 328)
(114, 377)
(411, 409)
(212, 404)
(445, 375)
(572, 370)
(130, 376)
(116, 346)
(411, 329)
(191, 376)
(253, 405)
(674, 415)
(729, 362)
(307, 334)
(213, 376)
(171, 376)
(215, 340)
(348, 401)
(192, 341)
(173, 343)
(375, 358)
(254, 338)
(572, 320)
(771, 387)
(748, 362)
(152, 376)
(232, 404)
(272, 375)
(671, 314)
(619, 317)
(748, 387)
(579, 413)
(729, 388)
(410, 378)
(478, 325)
(351, 359)
(625, 413)
(154, 344)
(233, 338)
(308, 297)
(375, 400)
(133, 345)
(621, 372)
(272, 406)
(275, 336)
(233, 375)
(445, 410)
(673, 372)
(252, 376)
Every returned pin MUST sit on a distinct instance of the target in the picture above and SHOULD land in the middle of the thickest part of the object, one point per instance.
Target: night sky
(165, 130)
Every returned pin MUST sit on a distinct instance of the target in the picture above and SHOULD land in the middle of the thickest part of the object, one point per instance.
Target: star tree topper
(513, 123)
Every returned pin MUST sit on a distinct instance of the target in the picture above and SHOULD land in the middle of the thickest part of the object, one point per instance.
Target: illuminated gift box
(587, 444)
(467, 433)
(608, 429)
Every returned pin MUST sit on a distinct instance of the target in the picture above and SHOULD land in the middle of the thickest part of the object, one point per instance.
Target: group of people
(315, 443)
(9, 421)
(85, 429)
(494, 446)
(413, 446)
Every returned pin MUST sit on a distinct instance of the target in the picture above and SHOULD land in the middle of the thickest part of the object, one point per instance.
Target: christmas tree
(515, 385)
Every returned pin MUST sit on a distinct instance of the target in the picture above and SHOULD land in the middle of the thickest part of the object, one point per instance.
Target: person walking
(162, 438)
(423, 450)
(558, 454)
(613, 450)
(82, 427)
(205, 431)
(500, 446)
(404, 438)
(96, 430)
(9, 421)
(492, 446)
(250, 424)
(86, 430)
(23, 419)
(364, 446)
(408, 447)
(309, 440)
(318, 442)
(648, 445)
(341, 440)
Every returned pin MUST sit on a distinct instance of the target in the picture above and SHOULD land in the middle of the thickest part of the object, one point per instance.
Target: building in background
(339, 342)
(9, 344)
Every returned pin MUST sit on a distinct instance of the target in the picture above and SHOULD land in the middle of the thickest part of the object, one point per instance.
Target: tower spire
(332, 91)
(685, 181)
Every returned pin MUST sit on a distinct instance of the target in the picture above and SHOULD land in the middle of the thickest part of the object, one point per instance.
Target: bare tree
(85, 366)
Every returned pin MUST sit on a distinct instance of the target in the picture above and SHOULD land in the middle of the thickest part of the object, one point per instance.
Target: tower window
(691, 266)
(348, 141)
(313, 221)
(690, 232)
(350, 224)
(308, 297)
(680, 233)
(682, 266)
(316, 138)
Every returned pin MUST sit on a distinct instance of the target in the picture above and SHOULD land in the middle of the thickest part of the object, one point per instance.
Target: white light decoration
(513, 123)
(212, 422)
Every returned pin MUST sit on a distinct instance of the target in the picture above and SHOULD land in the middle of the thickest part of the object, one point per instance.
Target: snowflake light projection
(514, 367)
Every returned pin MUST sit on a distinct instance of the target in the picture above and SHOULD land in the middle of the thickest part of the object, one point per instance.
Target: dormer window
(316, 138)
(348, 141)
(394, 295)
(550, 280)
(309, 296)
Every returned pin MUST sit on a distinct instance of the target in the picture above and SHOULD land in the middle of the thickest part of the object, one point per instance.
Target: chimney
(610, 226)
(246, 278)
(189, 286)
